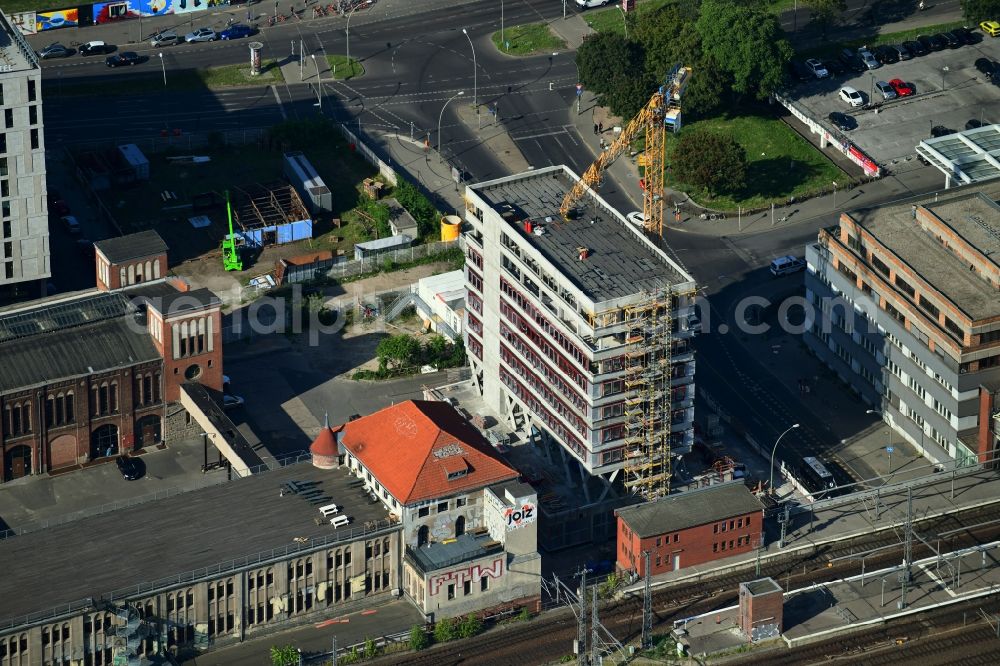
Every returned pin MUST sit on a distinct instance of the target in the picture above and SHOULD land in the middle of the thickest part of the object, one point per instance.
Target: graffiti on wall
(60, 18)
(472, 573)
(117, 10)
(25, 22)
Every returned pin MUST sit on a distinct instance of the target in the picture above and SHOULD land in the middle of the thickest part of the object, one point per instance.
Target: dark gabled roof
(74, 352)
(169, 302)
(132, 246)
(690, 509)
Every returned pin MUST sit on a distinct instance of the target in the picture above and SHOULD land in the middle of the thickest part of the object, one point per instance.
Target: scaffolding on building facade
(649, 375)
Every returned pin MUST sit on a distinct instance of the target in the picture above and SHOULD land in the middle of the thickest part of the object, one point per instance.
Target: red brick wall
(114, 271)
(209, 362)
(695, 545)
(984, 438)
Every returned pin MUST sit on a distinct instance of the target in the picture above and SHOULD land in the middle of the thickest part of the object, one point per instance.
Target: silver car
(54, 50)
(888, 92)
(165, 38)
(868, 59)
(200, 35)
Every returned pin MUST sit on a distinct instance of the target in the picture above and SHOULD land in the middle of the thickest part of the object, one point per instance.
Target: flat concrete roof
(621, 262)
(15, 52)
(895, 228)
(152, 542)
(970, 156)
(690, 509)
(434, 556)
(976, 218)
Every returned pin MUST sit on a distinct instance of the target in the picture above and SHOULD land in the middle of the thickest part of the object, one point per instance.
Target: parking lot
(948, 92)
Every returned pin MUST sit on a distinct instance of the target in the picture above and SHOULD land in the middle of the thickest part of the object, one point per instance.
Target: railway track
(551, 636)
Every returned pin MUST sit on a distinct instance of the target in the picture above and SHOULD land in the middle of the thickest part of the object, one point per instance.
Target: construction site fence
(362, 149)
(374, 264)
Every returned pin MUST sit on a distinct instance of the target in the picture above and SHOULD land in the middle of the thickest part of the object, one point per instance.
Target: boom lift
(661, 113)
(231, 260)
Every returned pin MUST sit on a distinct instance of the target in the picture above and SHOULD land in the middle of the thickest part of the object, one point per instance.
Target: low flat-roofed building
(906, 303)
(444, 296)
(207, 567)
(689, 528)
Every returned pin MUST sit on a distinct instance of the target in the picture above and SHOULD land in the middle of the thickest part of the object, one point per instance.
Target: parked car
(851, 60)
(901, 51)
(915, 48)
(851, 96)
(71, 223)
(966, 36)
(95, 48)
(816, 67)
(130, 468)
(886, 55)
(868, 59)
(842, 121)
(800, 70)
(986, 67)
(123, 58)
(950, 40)
(941, 130)
(991, 28)
(54, 50)
(835, 67)
(165, 38)
(201, 35)
(230, 401)
(902, 88)
(932, 42)
(237, 31)
(588, 4)
(887, 90)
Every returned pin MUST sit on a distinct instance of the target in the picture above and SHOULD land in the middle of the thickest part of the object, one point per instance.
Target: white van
(587, 4)
(787, 264)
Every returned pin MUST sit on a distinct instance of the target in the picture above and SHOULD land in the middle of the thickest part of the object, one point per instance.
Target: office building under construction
(579, 331)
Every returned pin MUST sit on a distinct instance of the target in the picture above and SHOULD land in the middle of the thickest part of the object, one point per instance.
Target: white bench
(329, 510)
(339, 521)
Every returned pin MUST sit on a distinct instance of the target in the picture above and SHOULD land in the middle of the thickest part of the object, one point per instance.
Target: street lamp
(164, 68)
(834, 195)
(441, 115)
(889, 448)
(319, 83)
(347, 30)
(944, 70)
(770, 483)
(475, 72)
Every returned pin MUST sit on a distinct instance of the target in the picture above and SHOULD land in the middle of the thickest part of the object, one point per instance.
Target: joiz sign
(519, 517)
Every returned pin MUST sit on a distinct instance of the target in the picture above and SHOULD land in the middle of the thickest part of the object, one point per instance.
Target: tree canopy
(746, 41)
(981, 10)
(611, 67)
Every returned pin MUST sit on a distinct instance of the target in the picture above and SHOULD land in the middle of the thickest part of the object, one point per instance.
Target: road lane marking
(277, 98)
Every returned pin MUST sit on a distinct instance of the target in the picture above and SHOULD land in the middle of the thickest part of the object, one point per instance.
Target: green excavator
(231, 260)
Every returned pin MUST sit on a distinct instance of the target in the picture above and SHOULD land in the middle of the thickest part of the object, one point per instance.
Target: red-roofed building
(469, 525)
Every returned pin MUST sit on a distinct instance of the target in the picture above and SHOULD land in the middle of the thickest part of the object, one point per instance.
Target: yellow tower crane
(662, 113)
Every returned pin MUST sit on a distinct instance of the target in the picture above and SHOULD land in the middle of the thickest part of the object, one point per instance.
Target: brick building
(689, 528)
(469, 537)
(906, 304)
(128, 260)
(94, 374)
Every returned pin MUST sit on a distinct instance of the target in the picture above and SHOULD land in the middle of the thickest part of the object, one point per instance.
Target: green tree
(418, 638)
(747, 42)
(444, 630)
(436, 350)
(375, 216)
(285, 655)
(470, 626)
(419, 206)
(710, 161)
(370, 648)
(396, 351)
(611, 67)
(976, 11)
(457, 358)
(824, 12)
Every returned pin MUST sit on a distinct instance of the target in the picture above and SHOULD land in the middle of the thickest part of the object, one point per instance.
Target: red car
(902, 88)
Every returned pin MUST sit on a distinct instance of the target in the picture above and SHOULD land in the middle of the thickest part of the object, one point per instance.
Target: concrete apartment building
(24, 224)
(579, 330)
(916, 331)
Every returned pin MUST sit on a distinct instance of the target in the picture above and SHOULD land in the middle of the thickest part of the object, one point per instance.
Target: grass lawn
(610, 19)
(226, 76)
(340, 68)
(780, 163)
(528, 39)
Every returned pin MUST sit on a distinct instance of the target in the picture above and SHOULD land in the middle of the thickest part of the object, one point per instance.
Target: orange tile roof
(325, 443)
(413, 447)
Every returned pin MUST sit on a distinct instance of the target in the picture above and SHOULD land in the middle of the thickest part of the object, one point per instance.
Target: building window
(442, 507)
(467, 588)
(8, 118)
(715, 547)
(34, 139)
(484, 584)
(658, 541)
(32, 91)
(17, 419)
(33, 115)
(451, 591)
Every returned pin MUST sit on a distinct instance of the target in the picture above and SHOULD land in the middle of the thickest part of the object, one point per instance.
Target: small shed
(270, 215)
(135, 160)
(400, 220)
(300, 173)
(303, 267)
(381, 246)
